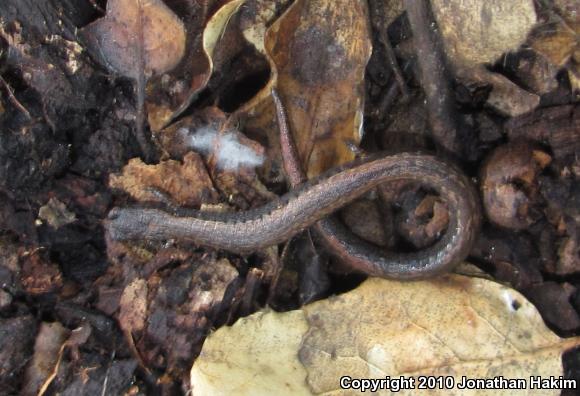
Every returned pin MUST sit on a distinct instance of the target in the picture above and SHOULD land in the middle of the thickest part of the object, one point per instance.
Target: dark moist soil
(66, 123)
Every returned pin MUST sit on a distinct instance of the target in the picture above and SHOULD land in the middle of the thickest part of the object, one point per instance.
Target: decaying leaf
(199, 67)
(231, 157)
(133, 306)
(556, 42)
(39, 274)
(133, 313)
(139, 37)
(479, 31)
(453, 326)
(255, 18)
(187, 183)
(318, 52)
(49, 341)
(559, 41)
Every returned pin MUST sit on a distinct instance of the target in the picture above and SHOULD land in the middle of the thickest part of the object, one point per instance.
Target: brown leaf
(559, 41)
(47, 347)
(133, 307)
(183, 302)
(453, 326)
(38, 274)
(187, 183)
(556, 42)
(139, 37)
(318, 52)
(508, 183)
(553, 300)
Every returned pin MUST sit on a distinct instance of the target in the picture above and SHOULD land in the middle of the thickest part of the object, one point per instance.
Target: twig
(394, 64)
(377, 17)
(141, 84)
(96, 6)
(434, 76)
(13, 99)
(391, 94)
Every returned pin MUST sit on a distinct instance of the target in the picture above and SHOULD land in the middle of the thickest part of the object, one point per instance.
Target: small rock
(56, 214)
(5, 299)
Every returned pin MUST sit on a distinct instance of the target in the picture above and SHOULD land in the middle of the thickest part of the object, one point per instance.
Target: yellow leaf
(453, 326)
(479, 31)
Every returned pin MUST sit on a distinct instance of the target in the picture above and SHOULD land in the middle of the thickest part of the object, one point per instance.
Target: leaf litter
(139, 39)
(189, 292)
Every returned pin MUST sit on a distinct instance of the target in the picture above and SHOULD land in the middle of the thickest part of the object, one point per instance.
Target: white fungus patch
(229, 152)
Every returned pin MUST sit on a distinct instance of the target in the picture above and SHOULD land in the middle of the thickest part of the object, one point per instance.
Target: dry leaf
(559, 41)
(479, 31)
(506, 97)
(180, 91)
(255, 18)
(318, 52)
(38, 274)
(49, 341)
(556, 43)
(230, 156)
(133, 314)
(138, 37)
(76, 338)
(187, 183)
(133, 307)
(453, 326)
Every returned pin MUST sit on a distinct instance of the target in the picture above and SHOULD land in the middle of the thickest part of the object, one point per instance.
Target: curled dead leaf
(478, 32)
(187, 183)
(176, 94)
